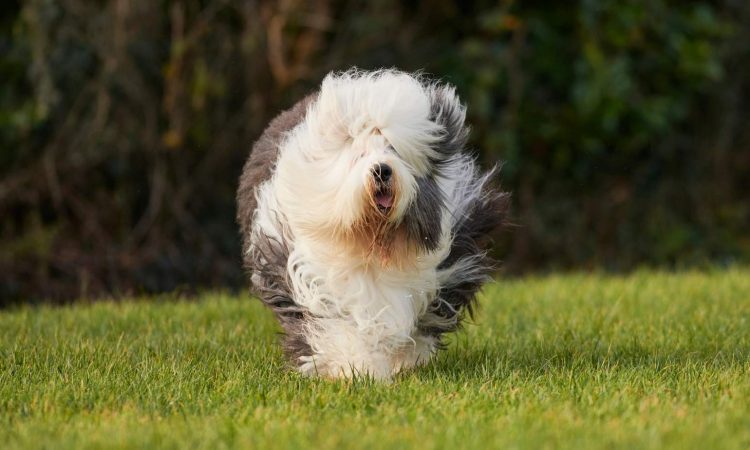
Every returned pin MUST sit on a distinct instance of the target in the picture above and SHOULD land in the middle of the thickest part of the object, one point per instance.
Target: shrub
(123, 125)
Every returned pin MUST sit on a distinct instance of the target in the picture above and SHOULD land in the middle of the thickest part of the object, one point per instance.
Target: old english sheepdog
(364, 223)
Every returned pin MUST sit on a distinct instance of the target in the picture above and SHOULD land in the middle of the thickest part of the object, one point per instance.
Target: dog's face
(364, 164)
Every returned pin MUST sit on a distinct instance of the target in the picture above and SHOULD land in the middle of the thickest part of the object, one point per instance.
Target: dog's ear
(447, 111)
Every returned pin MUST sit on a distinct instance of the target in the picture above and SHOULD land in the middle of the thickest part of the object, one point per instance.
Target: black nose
(382, 172)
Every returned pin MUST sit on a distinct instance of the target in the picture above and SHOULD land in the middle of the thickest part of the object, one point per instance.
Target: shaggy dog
(364, 223)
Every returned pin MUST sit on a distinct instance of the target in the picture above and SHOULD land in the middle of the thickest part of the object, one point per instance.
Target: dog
(365, 224)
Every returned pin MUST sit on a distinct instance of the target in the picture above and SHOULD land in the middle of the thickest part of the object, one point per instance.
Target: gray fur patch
(422, 218)
(471, 241)
(471, 235)
(260, 165)
(268, 257)
(267, 260)
(447, 112)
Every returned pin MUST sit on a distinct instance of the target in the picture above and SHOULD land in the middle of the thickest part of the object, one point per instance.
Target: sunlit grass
(651, 360)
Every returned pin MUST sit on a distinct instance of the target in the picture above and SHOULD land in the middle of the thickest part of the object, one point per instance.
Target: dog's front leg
(340, 349)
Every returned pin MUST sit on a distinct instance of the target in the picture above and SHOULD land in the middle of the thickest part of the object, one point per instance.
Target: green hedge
(621, 126)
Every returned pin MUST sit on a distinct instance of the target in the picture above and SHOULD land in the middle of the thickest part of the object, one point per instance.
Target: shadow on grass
(464, 363)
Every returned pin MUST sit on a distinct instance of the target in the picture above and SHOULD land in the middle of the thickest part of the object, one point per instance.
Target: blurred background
(623, 127)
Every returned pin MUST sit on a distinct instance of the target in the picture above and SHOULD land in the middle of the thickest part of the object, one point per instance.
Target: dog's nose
(382, 172)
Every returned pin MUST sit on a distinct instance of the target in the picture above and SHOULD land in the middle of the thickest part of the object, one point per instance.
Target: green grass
(651, 360)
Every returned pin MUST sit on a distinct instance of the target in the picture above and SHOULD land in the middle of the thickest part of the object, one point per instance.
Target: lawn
(649, 360)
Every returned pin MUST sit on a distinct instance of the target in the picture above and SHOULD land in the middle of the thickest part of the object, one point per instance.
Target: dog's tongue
(384, 199)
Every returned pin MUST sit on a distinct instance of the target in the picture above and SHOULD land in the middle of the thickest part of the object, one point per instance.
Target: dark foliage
(124, 125)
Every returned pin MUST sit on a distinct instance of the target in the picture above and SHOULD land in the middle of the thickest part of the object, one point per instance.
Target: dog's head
(365, 164)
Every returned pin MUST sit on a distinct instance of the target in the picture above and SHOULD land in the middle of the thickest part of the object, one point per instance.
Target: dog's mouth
(384, 199)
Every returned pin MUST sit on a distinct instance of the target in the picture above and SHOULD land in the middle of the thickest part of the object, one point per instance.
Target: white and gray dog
(364, 223)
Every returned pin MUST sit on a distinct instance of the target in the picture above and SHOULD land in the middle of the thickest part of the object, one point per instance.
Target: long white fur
(366, 313)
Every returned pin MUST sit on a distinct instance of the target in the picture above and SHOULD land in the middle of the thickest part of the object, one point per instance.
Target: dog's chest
(389, 300)
(386, 298)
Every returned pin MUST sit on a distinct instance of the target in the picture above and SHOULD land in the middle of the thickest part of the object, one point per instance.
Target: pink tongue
(384, 200)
